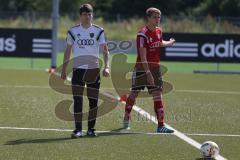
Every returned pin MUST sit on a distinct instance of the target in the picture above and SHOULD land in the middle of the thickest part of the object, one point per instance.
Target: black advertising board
(202, 48)
(25, 43)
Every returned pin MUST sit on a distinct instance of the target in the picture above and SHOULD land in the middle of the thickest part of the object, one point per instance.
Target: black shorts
(139, 80)
(89, 77)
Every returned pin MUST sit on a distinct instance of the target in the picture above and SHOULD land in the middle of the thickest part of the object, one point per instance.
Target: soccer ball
(209, 149)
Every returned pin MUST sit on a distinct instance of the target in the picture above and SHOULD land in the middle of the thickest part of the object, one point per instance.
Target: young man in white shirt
(84, 40)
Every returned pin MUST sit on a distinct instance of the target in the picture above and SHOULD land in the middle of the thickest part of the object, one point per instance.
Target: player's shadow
(31, 141)
(116, 132)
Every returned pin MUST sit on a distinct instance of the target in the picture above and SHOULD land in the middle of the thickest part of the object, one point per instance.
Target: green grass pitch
(27, 101)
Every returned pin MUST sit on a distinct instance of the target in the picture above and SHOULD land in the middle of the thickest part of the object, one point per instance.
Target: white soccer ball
(209, 149)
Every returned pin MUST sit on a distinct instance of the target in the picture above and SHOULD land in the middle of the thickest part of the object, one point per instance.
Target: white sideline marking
(24, 86)
(207, 91)
(119, 132)
(36, 129)
(213, 135)
(4, 108)
(177, 90)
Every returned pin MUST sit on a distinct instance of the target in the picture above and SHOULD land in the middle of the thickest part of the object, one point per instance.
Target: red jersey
(151, 40)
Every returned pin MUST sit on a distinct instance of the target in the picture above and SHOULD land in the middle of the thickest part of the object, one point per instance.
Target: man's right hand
(63, 75)
(150, 78)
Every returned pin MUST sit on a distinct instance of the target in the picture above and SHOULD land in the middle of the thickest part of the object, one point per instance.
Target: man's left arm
(105, 59)
(103, 45)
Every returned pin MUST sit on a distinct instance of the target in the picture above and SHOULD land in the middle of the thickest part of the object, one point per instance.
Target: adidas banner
(25, 43)
(202, 47)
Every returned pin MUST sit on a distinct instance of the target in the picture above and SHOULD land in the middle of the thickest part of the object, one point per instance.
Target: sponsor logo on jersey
(155, 44)
(85, 42)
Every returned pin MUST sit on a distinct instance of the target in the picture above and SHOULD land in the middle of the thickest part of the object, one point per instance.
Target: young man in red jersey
(147, 69)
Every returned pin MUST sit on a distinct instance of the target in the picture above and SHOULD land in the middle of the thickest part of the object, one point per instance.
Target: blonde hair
(152, 10)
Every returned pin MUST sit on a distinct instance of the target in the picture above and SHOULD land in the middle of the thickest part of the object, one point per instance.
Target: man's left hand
(106, 72)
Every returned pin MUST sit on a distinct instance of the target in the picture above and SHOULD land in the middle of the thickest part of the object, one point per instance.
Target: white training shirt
(85, 44)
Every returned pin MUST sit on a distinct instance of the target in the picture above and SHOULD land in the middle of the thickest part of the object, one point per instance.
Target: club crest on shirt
(91, 35)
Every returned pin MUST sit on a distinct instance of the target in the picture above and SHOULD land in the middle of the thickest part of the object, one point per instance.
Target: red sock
(128, 107)
(158, 108)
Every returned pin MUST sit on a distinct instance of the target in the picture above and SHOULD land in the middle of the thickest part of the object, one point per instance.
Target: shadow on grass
(116, 132)
(32, 141)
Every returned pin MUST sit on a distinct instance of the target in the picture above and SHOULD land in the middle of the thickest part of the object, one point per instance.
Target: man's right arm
(67, 55)
(143, 55)
(142, 44)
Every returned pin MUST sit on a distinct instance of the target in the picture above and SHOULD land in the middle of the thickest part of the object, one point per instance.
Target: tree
(131, 8)
(218, 8)
(25, 5)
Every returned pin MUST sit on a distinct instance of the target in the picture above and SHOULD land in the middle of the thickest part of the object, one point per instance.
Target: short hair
(85, 8)
(152, 10)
